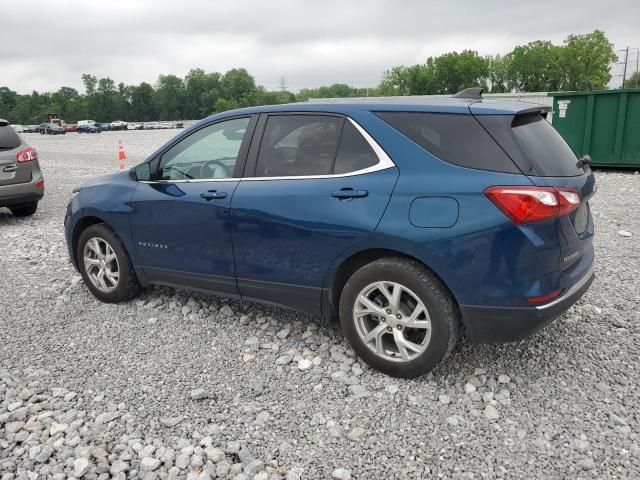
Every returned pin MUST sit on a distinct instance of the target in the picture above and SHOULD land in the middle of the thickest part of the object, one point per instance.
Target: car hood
(104, 179)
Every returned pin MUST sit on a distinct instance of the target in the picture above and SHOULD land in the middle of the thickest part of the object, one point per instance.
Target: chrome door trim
(384, 162)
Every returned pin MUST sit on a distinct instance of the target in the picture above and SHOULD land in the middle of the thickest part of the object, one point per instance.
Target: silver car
(21, 181)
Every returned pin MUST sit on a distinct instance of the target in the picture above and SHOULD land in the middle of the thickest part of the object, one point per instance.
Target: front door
(180, 219)
(316, 188)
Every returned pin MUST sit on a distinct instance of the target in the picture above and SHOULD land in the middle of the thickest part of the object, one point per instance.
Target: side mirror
(143, 172)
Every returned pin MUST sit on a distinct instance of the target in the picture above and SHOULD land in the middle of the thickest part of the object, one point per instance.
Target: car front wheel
(105, 265)
(399, 317)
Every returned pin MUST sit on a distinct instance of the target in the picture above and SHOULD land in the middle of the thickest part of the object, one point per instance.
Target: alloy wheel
(101, 264)
(392, 321)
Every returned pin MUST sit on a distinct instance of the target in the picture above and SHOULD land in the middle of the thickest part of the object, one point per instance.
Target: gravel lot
(175, 384)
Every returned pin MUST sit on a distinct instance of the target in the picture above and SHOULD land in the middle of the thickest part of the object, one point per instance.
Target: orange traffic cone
(122, 156)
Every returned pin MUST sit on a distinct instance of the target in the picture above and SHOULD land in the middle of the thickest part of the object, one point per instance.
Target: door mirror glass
(143, 172)
(209, 153)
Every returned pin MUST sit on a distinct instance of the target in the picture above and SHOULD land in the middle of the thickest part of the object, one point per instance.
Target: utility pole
(624, 71)
(283, 84)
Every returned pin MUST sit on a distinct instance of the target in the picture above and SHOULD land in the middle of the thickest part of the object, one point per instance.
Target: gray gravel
(175, 384)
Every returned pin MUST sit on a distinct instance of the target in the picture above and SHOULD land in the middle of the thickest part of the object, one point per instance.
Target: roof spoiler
(473, 93)
(537, 109)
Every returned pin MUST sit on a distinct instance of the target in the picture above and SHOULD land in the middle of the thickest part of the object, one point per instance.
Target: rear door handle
(10, 168)
(349, 193)
(213, 195)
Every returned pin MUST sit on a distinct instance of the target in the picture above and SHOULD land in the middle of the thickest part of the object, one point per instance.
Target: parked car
(411, 222)
(152, 126)
(136, 126)
(72, 128)
(18, 128)
(88, 128)
(51, 129)
(30, 128)
(21, 181)
(104, 127)
(118, 125)
(86, 122)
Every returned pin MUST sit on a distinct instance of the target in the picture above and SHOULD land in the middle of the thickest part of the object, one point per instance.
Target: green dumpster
(604, 124)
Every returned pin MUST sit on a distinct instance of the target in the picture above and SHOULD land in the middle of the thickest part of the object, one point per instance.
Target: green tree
(142, 107)
(236, 84)
(585, 61)
(499, 73)
(633, 81)
(169, 97)
(535, 67)
(456, 71)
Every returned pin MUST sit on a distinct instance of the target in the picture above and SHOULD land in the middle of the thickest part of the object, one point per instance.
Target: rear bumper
(509, 324)
(21, 193)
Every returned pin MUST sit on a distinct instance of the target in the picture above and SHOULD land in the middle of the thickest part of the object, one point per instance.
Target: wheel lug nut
(399, 327)
(388, 311)
(399, 317)
(389, 329)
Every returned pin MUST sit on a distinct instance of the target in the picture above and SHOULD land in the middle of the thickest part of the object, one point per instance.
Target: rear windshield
(454, 138)
(545, 148)
(533, 144)
(9, 139)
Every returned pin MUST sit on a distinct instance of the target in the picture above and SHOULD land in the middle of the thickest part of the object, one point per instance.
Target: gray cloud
(44, 45)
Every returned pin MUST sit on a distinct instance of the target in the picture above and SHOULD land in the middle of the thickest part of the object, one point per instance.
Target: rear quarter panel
(483, 257)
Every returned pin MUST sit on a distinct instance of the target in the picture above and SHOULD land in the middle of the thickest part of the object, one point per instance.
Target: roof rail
(473, 93)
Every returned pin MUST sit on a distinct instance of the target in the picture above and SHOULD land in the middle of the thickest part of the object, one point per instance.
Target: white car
(18, 128)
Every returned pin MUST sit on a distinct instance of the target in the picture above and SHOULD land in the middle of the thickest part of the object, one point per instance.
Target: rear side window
(298, 145)
(9, 139)
(354, 152)
(454, 138)
(544, 147)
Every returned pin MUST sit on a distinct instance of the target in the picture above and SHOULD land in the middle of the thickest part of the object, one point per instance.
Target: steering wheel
(184, 173)
(206, 171)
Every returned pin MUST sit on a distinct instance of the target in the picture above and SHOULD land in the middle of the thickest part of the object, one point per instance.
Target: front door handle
(213, 195)
(349, 193)
(10, 168)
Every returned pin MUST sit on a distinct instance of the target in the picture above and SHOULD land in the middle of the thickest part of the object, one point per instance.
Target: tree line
(582, 62)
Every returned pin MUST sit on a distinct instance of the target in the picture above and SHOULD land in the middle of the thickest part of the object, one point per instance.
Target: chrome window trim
(384, 162)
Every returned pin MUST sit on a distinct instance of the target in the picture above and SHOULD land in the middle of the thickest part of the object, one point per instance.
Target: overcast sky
(48, 44)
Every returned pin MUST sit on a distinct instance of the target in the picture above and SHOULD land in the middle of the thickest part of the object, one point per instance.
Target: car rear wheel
(105, 265)
(399, 317)
(25, 210)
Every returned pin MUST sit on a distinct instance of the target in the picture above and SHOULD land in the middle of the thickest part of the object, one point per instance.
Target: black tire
(24, 210)
(127, 286)
(442, 309)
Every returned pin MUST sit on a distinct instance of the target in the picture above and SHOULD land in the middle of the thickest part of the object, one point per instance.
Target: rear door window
(354, 152)
(9, 139)
(454, 138)
(298, 145)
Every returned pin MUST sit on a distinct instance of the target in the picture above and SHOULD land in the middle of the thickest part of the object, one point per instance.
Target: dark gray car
(21, 181)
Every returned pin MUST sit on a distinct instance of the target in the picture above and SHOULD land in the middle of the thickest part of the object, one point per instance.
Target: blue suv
(411, 221)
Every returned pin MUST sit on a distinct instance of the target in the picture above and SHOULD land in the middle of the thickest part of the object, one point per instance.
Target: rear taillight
(533, 204)
(27, 155)
(544, 298)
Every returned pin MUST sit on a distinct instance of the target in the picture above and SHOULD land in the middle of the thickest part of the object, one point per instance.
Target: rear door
(315, 185)
(12, 171)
